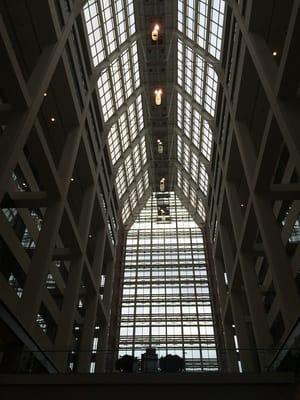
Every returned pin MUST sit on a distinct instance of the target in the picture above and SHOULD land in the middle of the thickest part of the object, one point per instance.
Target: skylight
(199, 43)
(131, 167)
(135, 196)
(126, 129)
(114, 49)
(118, 81)
(106, 33)
(202, 22)
(111, 28)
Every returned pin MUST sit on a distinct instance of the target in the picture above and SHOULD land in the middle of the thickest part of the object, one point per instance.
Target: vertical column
(103, 352)
(43, 253)
(245, 345)
(280, 265)
(231, 354)
(63, 340)
(279, 262)
(221, 284)
(99, 254)
(226, 249)
(262, 335)
(87, 335)
(86, 213)
(109, 276)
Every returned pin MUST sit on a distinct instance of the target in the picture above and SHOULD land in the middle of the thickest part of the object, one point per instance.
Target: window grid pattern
(105, 32)
(295, 234)
(211, 90)
(200, 21)
(191, 195)
(118, 81)
(135, 196)
(126, 129)
(197, 77)
(109, 25)
(192, 165)
(131, 167)
(93, 25)
(166, 300)
(190, 122)
(216, 28)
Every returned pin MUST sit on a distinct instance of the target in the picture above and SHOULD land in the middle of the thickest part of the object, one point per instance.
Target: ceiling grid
(172, 140)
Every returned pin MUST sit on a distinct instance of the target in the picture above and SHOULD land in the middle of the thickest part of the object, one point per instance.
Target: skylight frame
(111, 33)
(199, 49)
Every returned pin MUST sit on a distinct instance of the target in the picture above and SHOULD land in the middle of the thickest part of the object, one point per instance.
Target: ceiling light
(158, 93)
(160, 147)
(154, 34)
(52, 119)
(274, 53)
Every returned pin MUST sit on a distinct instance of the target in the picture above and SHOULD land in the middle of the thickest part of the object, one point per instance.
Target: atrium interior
(149, 191)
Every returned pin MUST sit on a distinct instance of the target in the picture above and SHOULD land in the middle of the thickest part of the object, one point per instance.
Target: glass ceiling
(200, 25)
(113, 42)
(112, 37)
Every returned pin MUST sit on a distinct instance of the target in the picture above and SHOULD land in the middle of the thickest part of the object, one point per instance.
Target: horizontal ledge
(62, 254)
(27, 199)
(289, 191)
(218, 378)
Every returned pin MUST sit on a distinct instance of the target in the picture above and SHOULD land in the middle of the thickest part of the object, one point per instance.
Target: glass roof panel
(110, 24)
(202, 21)
(122, 133)
(107, 27)
(135, 196)
(118, 81)
(200, 24)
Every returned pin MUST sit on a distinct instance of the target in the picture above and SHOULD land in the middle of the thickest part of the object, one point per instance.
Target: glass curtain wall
(166, 299)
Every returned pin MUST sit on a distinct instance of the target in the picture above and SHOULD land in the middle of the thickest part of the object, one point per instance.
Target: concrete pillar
(246, 350)
(63, 340)
(264, 342)
(87, 334)
(230, 352)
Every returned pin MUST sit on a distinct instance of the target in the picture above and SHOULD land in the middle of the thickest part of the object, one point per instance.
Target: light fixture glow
(52, 119)
(155, 31)
(72, 179)
(158, 93)
(160, 147)
(162, 184)
(274, 53)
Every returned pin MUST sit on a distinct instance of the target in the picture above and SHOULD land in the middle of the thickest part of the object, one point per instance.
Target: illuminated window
(166, 295)
(201, 22)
